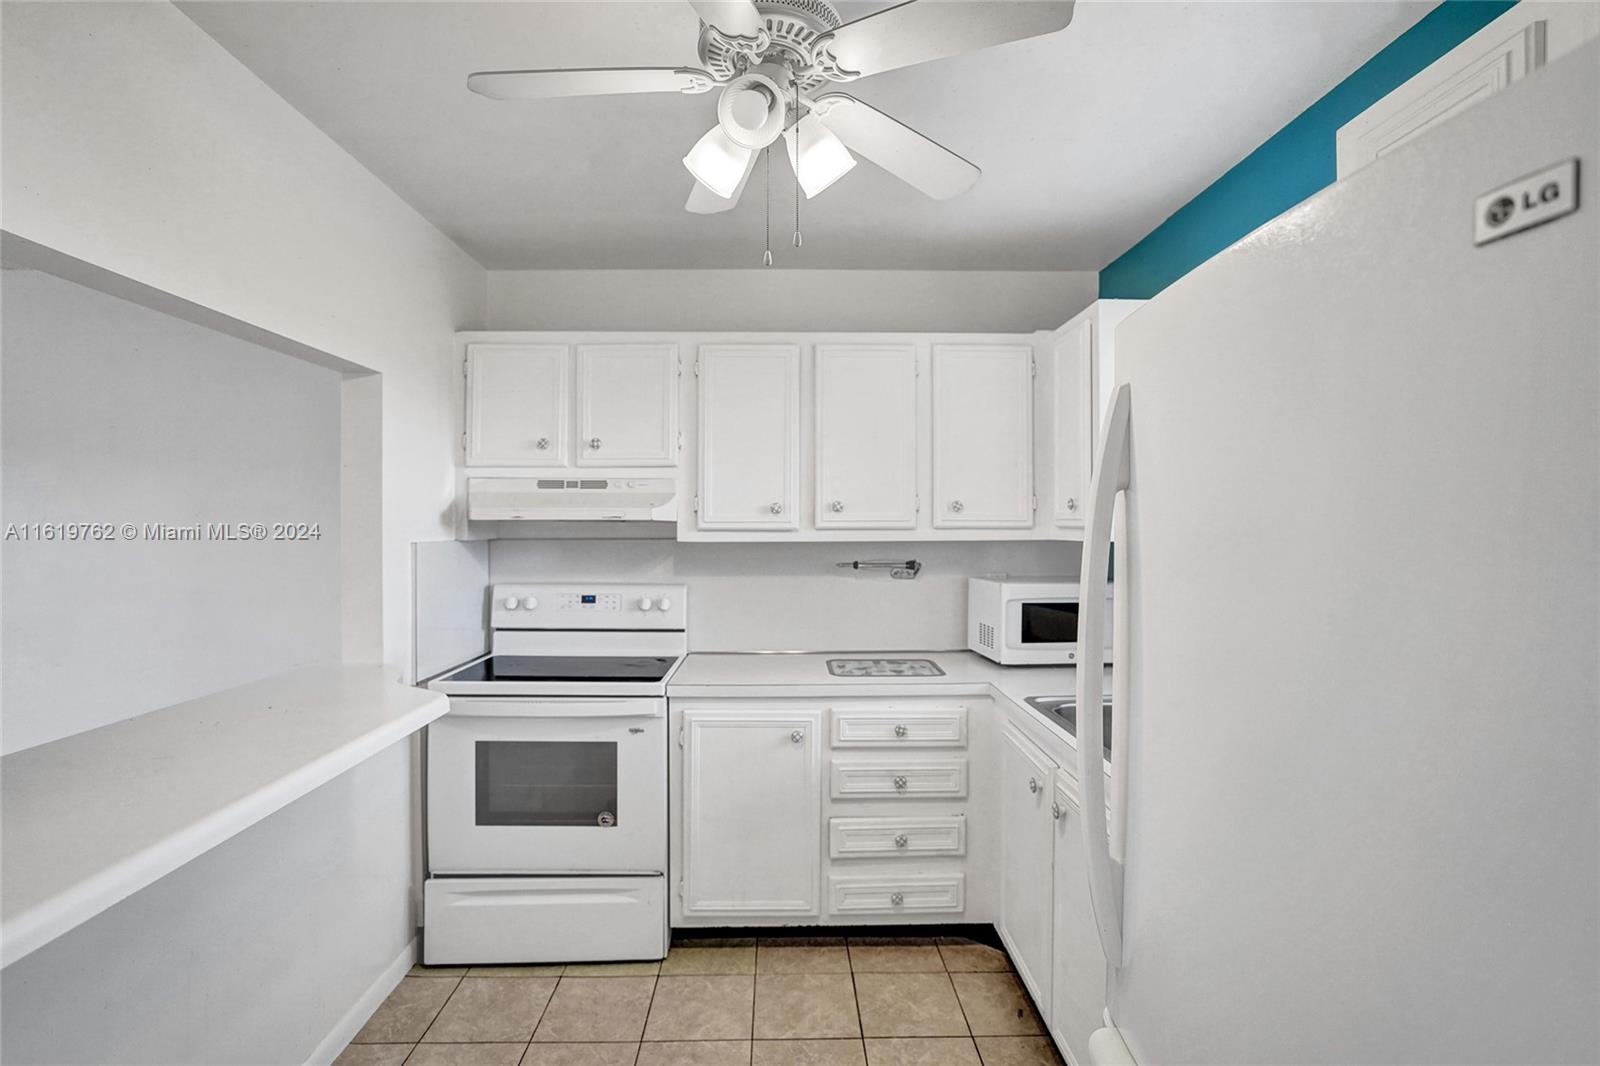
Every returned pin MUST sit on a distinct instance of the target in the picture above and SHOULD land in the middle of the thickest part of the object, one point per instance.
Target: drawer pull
(897, 898)
(901, 731)
(797, 736)
(902, 841)
(900, 783)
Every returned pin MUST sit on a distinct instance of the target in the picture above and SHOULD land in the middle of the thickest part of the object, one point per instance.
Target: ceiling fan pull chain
(796, 168)
(766, 176)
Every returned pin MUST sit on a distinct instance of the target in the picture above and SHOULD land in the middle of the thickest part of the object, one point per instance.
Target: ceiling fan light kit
(769, 56)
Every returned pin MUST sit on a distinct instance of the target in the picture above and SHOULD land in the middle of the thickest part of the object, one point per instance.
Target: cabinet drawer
(851, 838)
(920, 894)
(941, 727)
(940, 778)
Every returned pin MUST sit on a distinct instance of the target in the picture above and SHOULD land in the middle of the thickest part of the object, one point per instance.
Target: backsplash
(792, 597)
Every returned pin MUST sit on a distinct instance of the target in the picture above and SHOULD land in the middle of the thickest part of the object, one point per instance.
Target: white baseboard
(362, 1009)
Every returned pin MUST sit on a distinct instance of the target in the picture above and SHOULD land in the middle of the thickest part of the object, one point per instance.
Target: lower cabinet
(1078, 982)
(1027, 843)
(751, 813)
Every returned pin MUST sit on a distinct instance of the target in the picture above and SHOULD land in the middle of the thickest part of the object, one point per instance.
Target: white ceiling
(1087, 139)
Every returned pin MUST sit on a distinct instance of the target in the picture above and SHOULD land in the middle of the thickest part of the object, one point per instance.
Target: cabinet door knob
(901, 841)
(836, 506)
(594, 442)
(776, 508)
(1055, 811)
(900, 783)
(897, 898)
(901, 731)
(1072, 504)
(543, 443)
(798, 735)
(957, 506)
(1033, 785)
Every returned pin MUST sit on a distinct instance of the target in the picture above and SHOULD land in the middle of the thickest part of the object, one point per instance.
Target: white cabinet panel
(1078, 977)
(866, 436)
(1073, 357)
(627, 404)
(880, 838)
(908, 778)
(517, 403)
(915, 894)
(1027, 862)
(889, 727)
(749, 424)
(752, 813)
(982, 436)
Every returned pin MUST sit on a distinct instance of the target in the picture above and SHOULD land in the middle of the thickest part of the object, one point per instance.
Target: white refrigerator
(1355, 461)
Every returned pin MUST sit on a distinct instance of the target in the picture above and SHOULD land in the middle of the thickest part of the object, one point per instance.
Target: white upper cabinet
(982, 436)
(749, 437)
(866, 436)
(517, 404)
(1072, 352)
(627, 405)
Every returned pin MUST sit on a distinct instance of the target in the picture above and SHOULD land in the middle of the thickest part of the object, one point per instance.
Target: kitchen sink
(1064, 710)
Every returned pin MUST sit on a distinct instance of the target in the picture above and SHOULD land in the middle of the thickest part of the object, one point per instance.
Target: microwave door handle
(1110, 479)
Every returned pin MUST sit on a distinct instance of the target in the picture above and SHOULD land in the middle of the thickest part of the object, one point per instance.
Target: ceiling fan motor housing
(793, 27)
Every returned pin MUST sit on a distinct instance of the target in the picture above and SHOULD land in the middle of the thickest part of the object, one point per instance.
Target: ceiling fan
(770, 58)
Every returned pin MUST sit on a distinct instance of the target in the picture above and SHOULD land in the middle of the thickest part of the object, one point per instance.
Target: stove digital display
(587, 598)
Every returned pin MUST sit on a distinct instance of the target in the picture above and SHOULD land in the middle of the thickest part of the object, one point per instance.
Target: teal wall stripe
(1292, 164)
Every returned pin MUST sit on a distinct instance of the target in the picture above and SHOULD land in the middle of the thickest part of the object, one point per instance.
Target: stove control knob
(664, 604)
(645, 603)
(531, 603)
(511, 603)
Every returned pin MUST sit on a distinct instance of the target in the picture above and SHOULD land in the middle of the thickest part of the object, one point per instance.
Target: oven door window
(1049, 623)
(546, 783)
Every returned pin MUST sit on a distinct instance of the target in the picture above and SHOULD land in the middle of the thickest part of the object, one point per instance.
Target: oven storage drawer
(914, 894)
(489, 920)
(927, 778)
(890, 838)
(925, 727)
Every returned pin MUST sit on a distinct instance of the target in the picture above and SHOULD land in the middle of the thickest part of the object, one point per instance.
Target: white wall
(767, 299)
(791, 597)
(134, 144)
(115, 413)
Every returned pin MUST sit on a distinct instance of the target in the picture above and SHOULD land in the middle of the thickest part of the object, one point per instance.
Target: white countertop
(761, 675)
(90, 819)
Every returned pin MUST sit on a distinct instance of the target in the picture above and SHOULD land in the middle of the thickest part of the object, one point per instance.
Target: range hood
(590, 499)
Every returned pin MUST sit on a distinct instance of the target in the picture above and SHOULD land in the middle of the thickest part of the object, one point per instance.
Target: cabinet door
(752, 812)
(866, 436)
(1026, 864)
(982, 436)
(627, 404)
(1073, 358)
(1078, 973)
(749, 436)
(517, 402)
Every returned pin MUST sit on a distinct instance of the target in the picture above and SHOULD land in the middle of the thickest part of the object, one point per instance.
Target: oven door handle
(469, 707)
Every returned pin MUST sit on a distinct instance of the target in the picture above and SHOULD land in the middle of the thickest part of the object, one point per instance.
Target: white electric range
(547, 780)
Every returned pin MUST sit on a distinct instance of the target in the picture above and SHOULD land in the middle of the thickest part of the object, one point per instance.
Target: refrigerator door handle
(1110, 478)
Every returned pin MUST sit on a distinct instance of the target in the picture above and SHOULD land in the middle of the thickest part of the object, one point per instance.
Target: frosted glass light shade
(717, 163)
(822, 158)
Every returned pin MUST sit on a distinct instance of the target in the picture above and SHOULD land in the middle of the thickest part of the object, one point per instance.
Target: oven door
(548, 786)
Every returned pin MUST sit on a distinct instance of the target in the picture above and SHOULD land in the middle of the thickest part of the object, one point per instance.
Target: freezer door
(1361, 572)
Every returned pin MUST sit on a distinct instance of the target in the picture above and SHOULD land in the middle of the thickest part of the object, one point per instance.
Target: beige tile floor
(776, 1001)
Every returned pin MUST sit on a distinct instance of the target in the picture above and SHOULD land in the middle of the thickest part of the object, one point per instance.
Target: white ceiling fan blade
(925, 165)
(590, 81)
(922, 30)
(702, 201)
(734, 18)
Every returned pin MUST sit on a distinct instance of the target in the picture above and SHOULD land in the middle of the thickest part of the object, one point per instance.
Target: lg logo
(1502, 208)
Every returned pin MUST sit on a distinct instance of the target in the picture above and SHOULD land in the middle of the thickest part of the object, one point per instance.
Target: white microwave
(1026, 621)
